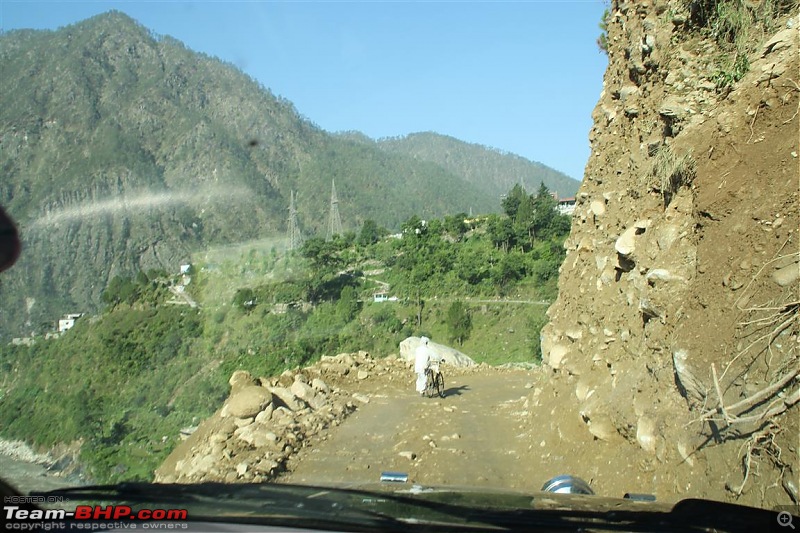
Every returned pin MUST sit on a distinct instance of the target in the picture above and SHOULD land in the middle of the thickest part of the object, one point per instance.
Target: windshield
(472, 245)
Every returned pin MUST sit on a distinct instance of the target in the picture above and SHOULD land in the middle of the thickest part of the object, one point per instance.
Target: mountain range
(124, 150)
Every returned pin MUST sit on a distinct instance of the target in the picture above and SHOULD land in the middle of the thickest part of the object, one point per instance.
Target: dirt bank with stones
(674, 339)
(265, 421)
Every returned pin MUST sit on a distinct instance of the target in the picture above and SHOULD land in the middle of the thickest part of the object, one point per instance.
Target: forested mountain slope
(124, 150)
(494, 171)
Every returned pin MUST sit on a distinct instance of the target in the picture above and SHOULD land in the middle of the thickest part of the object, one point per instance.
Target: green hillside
(492, 170)
(126, 381)
(123, 150)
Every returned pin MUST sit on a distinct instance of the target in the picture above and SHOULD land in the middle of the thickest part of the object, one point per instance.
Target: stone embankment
(265, 421)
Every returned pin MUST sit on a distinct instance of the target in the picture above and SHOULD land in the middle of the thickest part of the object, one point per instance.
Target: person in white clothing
(422, 357)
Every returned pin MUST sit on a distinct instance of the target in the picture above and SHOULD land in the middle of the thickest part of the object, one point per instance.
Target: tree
(524, 223)
(513, 200)
(321, 253)
(245, 299)
(141, 279)
(535, 325)
(602, 39)
(120, 290)
(370, 234)
(347, 306)
(544, 211)
(473, 264)
(510, 268)
(455, 225)
(501, 231)
(459, 322)
(412, 227)
(324, 264)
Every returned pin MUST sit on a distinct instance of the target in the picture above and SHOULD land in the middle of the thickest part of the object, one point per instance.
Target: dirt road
(495, 427)
(480, 433)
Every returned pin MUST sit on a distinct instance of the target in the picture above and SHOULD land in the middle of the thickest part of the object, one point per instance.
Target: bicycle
(434, 380)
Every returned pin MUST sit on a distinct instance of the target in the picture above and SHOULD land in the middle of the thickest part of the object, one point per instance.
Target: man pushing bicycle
(422, 358)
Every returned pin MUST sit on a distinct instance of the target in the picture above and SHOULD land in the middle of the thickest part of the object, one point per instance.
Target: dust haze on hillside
(128, 204)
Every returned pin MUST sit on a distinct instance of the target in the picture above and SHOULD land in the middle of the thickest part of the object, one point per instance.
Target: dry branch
(719, 393)
(770, 336)
(763, 394)
(752, 132)
(730, 412)
(764, 441)
(771, 412)
(760, 270)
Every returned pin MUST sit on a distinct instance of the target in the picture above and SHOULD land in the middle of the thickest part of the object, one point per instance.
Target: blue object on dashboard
(394, 477)
(567, 485)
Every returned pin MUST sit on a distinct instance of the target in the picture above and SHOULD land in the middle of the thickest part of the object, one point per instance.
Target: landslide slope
(674, 339)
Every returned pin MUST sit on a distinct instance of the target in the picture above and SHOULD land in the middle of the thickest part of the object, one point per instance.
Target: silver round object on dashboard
(567, 485)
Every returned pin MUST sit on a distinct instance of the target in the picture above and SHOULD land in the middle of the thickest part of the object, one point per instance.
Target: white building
(566, 206)
(68, 321)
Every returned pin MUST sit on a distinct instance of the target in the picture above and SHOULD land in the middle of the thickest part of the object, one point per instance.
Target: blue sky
(519, 76)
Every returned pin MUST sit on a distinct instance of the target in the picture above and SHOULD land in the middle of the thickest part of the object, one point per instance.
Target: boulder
(285, 397)
(661, 274)
(787, 275)
(673, 106)
(363, 398)
(449, 355)
(247, 401)
(626, 243)
(782, 39)
(646, 433)
(598, 208)
(303, 391)
(320, 386)
(557, 355)
(602, 427)
(241, 379)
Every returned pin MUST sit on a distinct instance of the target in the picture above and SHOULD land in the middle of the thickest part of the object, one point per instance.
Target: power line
(293, 231)
(334, 221)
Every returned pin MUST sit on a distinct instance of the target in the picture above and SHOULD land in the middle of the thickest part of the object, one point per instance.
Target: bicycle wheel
(440, 384)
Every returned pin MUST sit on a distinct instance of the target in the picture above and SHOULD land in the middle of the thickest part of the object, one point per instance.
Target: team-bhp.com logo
(92, 517)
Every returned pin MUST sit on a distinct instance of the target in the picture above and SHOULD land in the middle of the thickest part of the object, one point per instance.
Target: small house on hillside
(566, 206)
(68, 321)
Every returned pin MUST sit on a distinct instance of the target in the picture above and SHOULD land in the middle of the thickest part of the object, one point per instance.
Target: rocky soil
(675, 333)
(349, 418)
(265, 422)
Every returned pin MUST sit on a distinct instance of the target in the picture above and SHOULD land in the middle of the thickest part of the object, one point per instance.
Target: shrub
(670, 172)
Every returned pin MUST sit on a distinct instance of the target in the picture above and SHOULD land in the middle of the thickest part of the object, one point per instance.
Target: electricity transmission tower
(334, 222)
(295, 239)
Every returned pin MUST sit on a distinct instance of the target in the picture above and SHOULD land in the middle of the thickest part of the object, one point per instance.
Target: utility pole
(334, 222)
(293, 232)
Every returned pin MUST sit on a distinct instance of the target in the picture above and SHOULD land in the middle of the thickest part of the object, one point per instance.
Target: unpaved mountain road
(480, 434)
(495, 428)
(504, 428)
